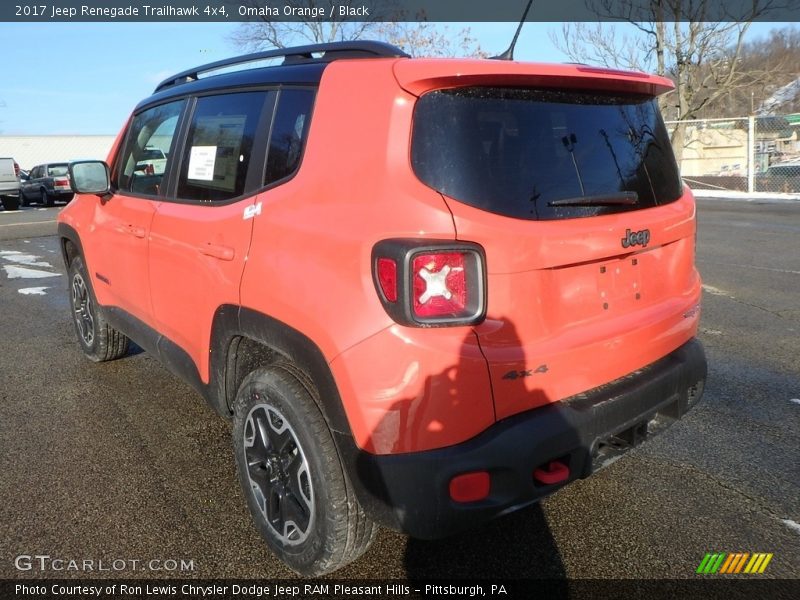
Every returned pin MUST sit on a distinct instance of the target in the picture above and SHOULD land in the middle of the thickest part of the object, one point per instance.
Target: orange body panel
(409, 389)
(117, 253)
(197, 255)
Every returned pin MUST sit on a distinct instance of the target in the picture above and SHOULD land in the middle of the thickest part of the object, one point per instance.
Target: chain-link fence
(748, 154)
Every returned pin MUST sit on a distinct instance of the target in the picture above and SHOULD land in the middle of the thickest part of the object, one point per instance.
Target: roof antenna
(509, 54)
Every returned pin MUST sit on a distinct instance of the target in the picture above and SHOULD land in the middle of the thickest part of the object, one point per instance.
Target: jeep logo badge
(636, 238)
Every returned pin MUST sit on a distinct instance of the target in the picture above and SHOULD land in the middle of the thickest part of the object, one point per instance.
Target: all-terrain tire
(288, 464)
(10, 202)
(99, 340)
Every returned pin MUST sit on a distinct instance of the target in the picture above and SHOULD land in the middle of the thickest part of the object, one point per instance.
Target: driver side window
(147, 149)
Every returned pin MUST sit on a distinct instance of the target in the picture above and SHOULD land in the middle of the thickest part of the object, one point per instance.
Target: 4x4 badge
(636, 238)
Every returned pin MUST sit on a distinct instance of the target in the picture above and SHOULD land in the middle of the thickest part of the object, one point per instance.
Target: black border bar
(395, 10)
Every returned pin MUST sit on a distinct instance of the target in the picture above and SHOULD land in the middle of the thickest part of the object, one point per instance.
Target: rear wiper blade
(617, 199)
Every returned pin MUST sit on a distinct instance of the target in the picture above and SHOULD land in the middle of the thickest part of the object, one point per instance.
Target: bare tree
(767, 65)
(674, 38)
(417, 38)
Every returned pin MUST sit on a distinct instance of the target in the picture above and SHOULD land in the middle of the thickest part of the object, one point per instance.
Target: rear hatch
(573, 191)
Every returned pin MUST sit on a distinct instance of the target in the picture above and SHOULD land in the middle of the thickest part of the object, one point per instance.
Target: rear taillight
(16, 168)
(61, 182)
(425, 283)
(440, 285)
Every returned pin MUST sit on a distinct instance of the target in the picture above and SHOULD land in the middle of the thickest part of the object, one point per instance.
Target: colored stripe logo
(734, 562)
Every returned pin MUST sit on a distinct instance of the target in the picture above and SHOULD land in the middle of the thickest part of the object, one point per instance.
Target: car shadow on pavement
(516, 546)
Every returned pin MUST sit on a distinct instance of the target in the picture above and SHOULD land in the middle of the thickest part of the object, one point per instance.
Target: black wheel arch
(242, 339)
(70, 243)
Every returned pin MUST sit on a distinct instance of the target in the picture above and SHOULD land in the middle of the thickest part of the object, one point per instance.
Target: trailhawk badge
(636, 238)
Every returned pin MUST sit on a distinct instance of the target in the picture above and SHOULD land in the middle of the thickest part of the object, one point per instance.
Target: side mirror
(89, 177)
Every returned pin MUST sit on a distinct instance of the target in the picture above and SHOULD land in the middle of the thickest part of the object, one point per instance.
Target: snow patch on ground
(795, 400)
(711, 331)
(792, 524)
(30, 260)
(716, 291)
(745, 196)
(779, 97)
(15, 272)
(33, 291)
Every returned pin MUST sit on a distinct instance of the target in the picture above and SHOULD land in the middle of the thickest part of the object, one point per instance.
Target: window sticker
(201, 162)
(226, 132)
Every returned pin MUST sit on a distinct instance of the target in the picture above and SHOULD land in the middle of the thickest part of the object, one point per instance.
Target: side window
(289, 132)
(147, 149)
(220, 145)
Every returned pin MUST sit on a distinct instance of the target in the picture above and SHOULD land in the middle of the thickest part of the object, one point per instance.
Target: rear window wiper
(616, 199)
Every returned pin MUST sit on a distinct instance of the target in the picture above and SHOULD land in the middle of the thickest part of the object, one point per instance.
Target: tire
(46, 199)
(10, 202)
(99, 341)
(292, 477)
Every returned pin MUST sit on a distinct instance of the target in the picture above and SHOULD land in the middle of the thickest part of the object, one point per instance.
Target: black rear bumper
(410, 492)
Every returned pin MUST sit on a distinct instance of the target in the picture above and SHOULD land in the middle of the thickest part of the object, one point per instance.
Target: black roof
(291, 75)
(301, 65)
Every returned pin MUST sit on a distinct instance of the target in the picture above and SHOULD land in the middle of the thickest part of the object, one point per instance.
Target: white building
(32, 150)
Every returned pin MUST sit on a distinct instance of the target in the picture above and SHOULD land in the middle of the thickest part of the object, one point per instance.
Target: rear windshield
(57, 170)
(544, 154)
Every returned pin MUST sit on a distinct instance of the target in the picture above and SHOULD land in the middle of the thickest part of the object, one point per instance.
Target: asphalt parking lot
(123, 461)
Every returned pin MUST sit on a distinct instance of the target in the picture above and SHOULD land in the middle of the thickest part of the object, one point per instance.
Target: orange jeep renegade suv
(428, 292)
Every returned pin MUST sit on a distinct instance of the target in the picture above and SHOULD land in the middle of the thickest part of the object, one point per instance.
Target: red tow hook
(555, 472)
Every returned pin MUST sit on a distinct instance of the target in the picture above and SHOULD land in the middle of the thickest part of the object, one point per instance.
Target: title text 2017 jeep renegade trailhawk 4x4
(428, 292)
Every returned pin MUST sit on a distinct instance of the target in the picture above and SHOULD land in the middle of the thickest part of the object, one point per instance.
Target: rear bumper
(410, 492)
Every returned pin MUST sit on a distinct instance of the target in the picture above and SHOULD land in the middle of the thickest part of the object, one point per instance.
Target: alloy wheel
(279, 474)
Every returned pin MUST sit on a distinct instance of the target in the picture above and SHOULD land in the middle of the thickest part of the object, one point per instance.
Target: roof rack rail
(296, 55)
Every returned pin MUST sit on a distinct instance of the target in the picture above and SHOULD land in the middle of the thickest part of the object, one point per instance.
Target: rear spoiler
(418, 76)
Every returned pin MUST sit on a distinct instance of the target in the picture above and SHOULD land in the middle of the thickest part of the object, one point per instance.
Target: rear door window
(219, 146)
(289, 131)
(544, 154)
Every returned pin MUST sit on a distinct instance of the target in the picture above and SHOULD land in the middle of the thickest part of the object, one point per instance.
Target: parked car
(45, 184)
(152, 161)
(9, 183)
(427, 292)
(780, 177)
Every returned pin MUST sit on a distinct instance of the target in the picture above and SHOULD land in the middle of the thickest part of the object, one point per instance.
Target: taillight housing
(431, 283)
(16, 168)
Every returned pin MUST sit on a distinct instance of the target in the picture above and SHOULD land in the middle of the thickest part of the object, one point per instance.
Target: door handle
(217, 251)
